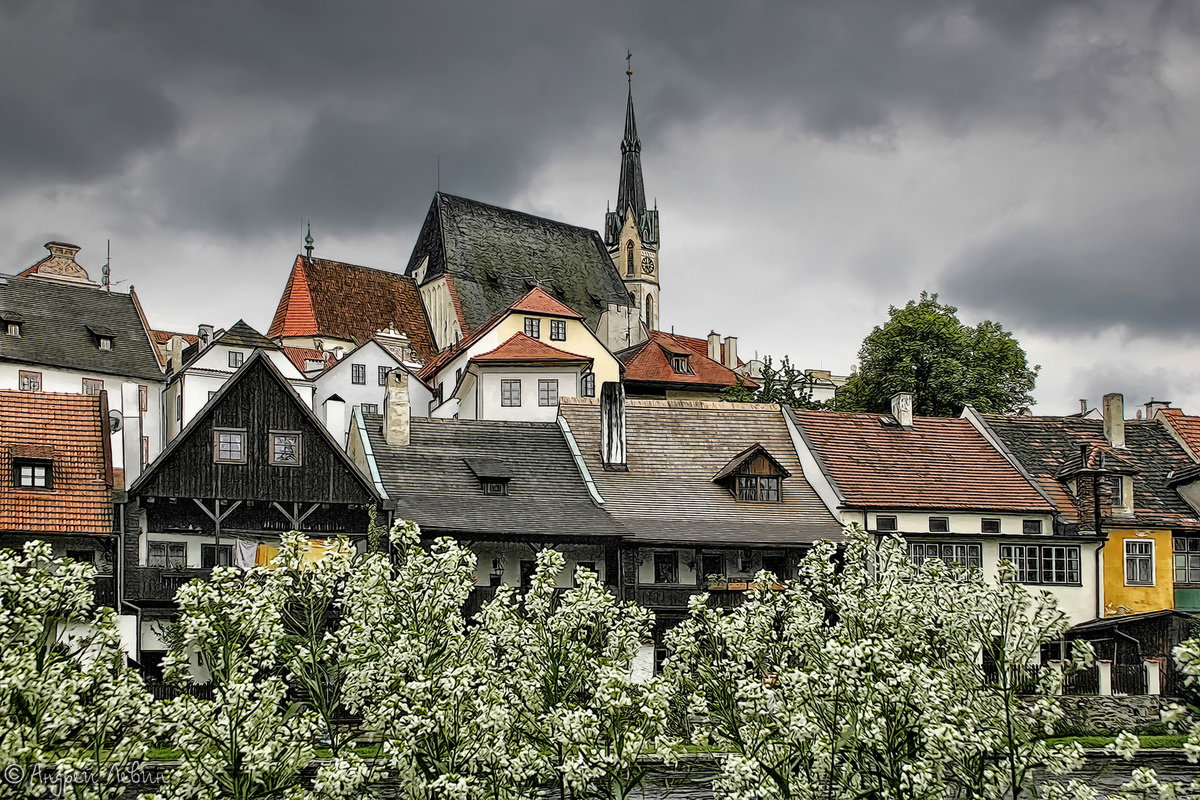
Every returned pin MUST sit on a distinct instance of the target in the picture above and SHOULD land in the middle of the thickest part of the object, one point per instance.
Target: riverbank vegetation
(866, 677)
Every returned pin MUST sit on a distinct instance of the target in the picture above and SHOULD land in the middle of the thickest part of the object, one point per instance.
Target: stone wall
(1098, 714)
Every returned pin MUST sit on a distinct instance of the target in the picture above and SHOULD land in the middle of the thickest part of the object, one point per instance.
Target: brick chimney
(612, 427)
(1093, 496)
(731, 356)
(902, 408)
(714, 346)
(1114, 419)
(396, 410)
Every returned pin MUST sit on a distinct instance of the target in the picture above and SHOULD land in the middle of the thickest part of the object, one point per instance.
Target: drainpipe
(1099, 532)
(119, 557)
(1100, 579)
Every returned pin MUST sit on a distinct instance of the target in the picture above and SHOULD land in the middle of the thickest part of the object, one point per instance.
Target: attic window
(681, 365)
(533, 327)
(236, 357)
(285, 448)
(494, 474)
(13, 328)
(229, 446)
(104, 343)
(104, 336)
(12, 322)
(753, 476)
(494, 487)
(32, 473)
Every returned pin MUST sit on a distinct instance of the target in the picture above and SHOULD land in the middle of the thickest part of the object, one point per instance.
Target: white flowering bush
(573, 720)
(72, 713)
(250, 740)
(863, 678)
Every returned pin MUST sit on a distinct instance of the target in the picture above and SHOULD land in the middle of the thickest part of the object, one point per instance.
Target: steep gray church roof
(495, 255)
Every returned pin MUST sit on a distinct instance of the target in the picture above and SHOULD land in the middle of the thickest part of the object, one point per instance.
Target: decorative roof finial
(628, 66)
(308, 240)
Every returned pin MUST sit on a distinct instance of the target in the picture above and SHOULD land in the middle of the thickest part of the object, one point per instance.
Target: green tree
(925, 349)
(787, 385)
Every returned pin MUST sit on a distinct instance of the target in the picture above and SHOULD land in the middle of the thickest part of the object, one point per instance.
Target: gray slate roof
(432, 481)
(674, 449)
(58, 321)
(495, 255)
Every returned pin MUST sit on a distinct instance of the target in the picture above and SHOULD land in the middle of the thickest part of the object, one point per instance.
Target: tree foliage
(925, 349)
(787, 385)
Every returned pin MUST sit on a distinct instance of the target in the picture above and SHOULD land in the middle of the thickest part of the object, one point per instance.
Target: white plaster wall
(918, 522)
(71, 382)
(339, 381)
(511, 556)
(489, 393)
(208, 373)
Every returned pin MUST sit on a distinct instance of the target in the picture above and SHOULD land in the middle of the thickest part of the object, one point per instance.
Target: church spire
(631, 191)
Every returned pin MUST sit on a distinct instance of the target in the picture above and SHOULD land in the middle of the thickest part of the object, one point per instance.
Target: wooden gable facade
(254, 464)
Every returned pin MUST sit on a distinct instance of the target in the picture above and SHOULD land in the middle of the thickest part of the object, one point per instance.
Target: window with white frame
(32, 473)
(93, 386)
(30, 381)
(548, 392)
(1031, 527)
(370, 408)
(104, 343)
(1139, 562)
(1043, 563)
(13, 328)
(1187, 559)
(987, 525)
(967, 555)
(510, 393)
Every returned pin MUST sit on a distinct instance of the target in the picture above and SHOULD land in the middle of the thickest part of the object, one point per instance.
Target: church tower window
(650, 312)
(629, 259)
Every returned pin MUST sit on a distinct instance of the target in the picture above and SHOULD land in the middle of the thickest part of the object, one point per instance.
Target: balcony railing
(678, 597)
(159, 583)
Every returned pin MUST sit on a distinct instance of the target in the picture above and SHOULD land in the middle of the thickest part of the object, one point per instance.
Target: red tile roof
(537, 301)
(937, 464)
(300, 355)
(162, 337)
(441, 359)
(1186, 429)
(346, 301)
(700, 346)
(520, 347)
(650, 362)
(71, 431)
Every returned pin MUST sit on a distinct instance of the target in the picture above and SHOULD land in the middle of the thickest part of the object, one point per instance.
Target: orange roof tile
(520, 347)
(1186, 429)
(700, 346)
(346, 301)
(650, 362)
(537, 301)
(937, 464)
(71, 431)
(301, 355)
(162, 337)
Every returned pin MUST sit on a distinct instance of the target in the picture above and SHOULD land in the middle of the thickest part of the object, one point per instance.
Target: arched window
(629, 259)
(649, 312)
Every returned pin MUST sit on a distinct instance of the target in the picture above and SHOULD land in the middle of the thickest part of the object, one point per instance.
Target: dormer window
(494, 474)
(533, 327)
(558, 330)
(753, 476)
(32, 473)
(12, 328)
(103, 336)
(681, 365)
(12, 322)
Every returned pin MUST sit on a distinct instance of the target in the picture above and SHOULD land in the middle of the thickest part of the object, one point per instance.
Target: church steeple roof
(631, 191)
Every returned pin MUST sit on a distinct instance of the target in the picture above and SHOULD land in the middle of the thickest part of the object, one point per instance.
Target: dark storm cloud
(375, 91)
(76, 106)
(1133, 268)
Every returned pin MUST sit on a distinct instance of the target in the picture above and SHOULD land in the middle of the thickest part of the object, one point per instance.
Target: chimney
(131, 431)
(175, 347)
(714, 346)
(902, 408)
(612, 427)
(205, 333)
(731, 358)
(1083, 405)
(396, 411)
(335, 417)
(1154, 406)
(339, 353)
(1114, 419)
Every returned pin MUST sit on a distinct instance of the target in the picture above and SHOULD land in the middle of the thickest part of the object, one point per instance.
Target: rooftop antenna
(106, 270)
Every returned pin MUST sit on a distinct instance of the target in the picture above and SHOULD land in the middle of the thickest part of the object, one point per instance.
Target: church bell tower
(631, 230)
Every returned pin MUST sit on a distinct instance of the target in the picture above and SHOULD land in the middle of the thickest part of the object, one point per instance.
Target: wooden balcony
(678, 597)
(159, 583)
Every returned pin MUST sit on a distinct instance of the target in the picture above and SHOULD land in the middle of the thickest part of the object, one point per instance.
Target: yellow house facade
(1137, 571)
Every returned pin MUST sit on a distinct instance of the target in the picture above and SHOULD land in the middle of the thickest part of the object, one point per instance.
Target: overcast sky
(1034, 162)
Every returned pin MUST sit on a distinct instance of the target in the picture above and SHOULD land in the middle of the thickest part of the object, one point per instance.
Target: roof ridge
(518, 213)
